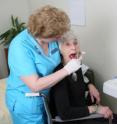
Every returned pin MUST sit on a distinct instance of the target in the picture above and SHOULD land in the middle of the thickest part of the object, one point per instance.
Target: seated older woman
(67, 98)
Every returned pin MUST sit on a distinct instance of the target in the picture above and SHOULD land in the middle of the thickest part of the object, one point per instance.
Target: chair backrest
(50, 120)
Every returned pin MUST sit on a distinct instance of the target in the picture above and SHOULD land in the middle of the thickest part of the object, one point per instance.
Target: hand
(94, 93)
(72, 66)
(105, 111)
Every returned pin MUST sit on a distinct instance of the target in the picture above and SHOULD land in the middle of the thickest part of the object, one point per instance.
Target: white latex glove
(72, 66)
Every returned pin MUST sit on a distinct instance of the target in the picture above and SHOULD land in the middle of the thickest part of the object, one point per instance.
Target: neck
(44, 45)
(42, 42)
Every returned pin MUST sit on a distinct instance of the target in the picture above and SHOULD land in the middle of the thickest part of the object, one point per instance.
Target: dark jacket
(67, 98)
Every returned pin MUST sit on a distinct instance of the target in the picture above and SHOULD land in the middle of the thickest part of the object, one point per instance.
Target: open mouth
(73, 56)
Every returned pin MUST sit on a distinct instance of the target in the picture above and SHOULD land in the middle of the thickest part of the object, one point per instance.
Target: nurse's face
(70, 50)
(47, 40)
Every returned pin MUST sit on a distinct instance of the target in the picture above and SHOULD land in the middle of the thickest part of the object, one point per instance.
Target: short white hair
(66, 37)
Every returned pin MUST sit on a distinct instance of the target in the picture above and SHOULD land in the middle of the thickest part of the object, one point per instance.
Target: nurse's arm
(36, 83)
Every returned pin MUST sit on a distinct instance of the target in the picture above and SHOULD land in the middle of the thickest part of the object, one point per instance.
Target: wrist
(93, 109)
(65, 72)
(90, 85)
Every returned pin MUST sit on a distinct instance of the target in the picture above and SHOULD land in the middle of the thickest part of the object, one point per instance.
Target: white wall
(7, 8)
(98, 38)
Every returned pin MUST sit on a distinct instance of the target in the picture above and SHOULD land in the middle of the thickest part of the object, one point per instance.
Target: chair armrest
(92, 116)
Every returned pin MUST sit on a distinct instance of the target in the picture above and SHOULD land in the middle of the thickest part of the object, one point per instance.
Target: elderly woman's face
(70, 50)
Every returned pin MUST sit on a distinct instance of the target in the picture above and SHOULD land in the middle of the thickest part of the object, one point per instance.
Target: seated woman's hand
(105, 111)
(94, 93)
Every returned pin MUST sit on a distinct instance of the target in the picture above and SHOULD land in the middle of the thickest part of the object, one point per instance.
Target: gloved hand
(72, 66)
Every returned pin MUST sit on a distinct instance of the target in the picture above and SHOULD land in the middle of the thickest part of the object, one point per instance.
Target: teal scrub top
(26, 58)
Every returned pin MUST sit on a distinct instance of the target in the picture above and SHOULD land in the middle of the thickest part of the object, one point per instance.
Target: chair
(90, 75)
(50, 120)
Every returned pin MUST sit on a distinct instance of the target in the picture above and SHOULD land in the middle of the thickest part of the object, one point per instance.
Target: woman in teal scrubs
(33, 55)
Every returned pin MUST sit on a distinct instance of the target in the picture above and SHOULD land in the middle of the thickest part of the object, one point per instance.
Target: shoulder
(21, 41)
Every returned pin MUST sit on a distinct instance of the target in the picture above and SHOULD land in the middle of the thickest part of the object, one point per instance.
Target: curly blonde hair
(48, 22)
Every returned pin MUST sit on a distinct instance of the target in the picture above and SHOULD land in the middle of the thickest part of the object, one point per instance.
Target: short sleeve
(20, 60)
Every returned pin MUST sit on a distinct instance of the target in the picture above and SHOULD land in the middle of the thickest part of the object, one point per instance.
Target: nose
(73, 46)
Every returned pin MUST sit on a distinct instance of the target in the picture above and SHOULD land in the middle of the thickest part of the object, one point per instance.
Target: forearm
(36, 83)
(49, 81)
